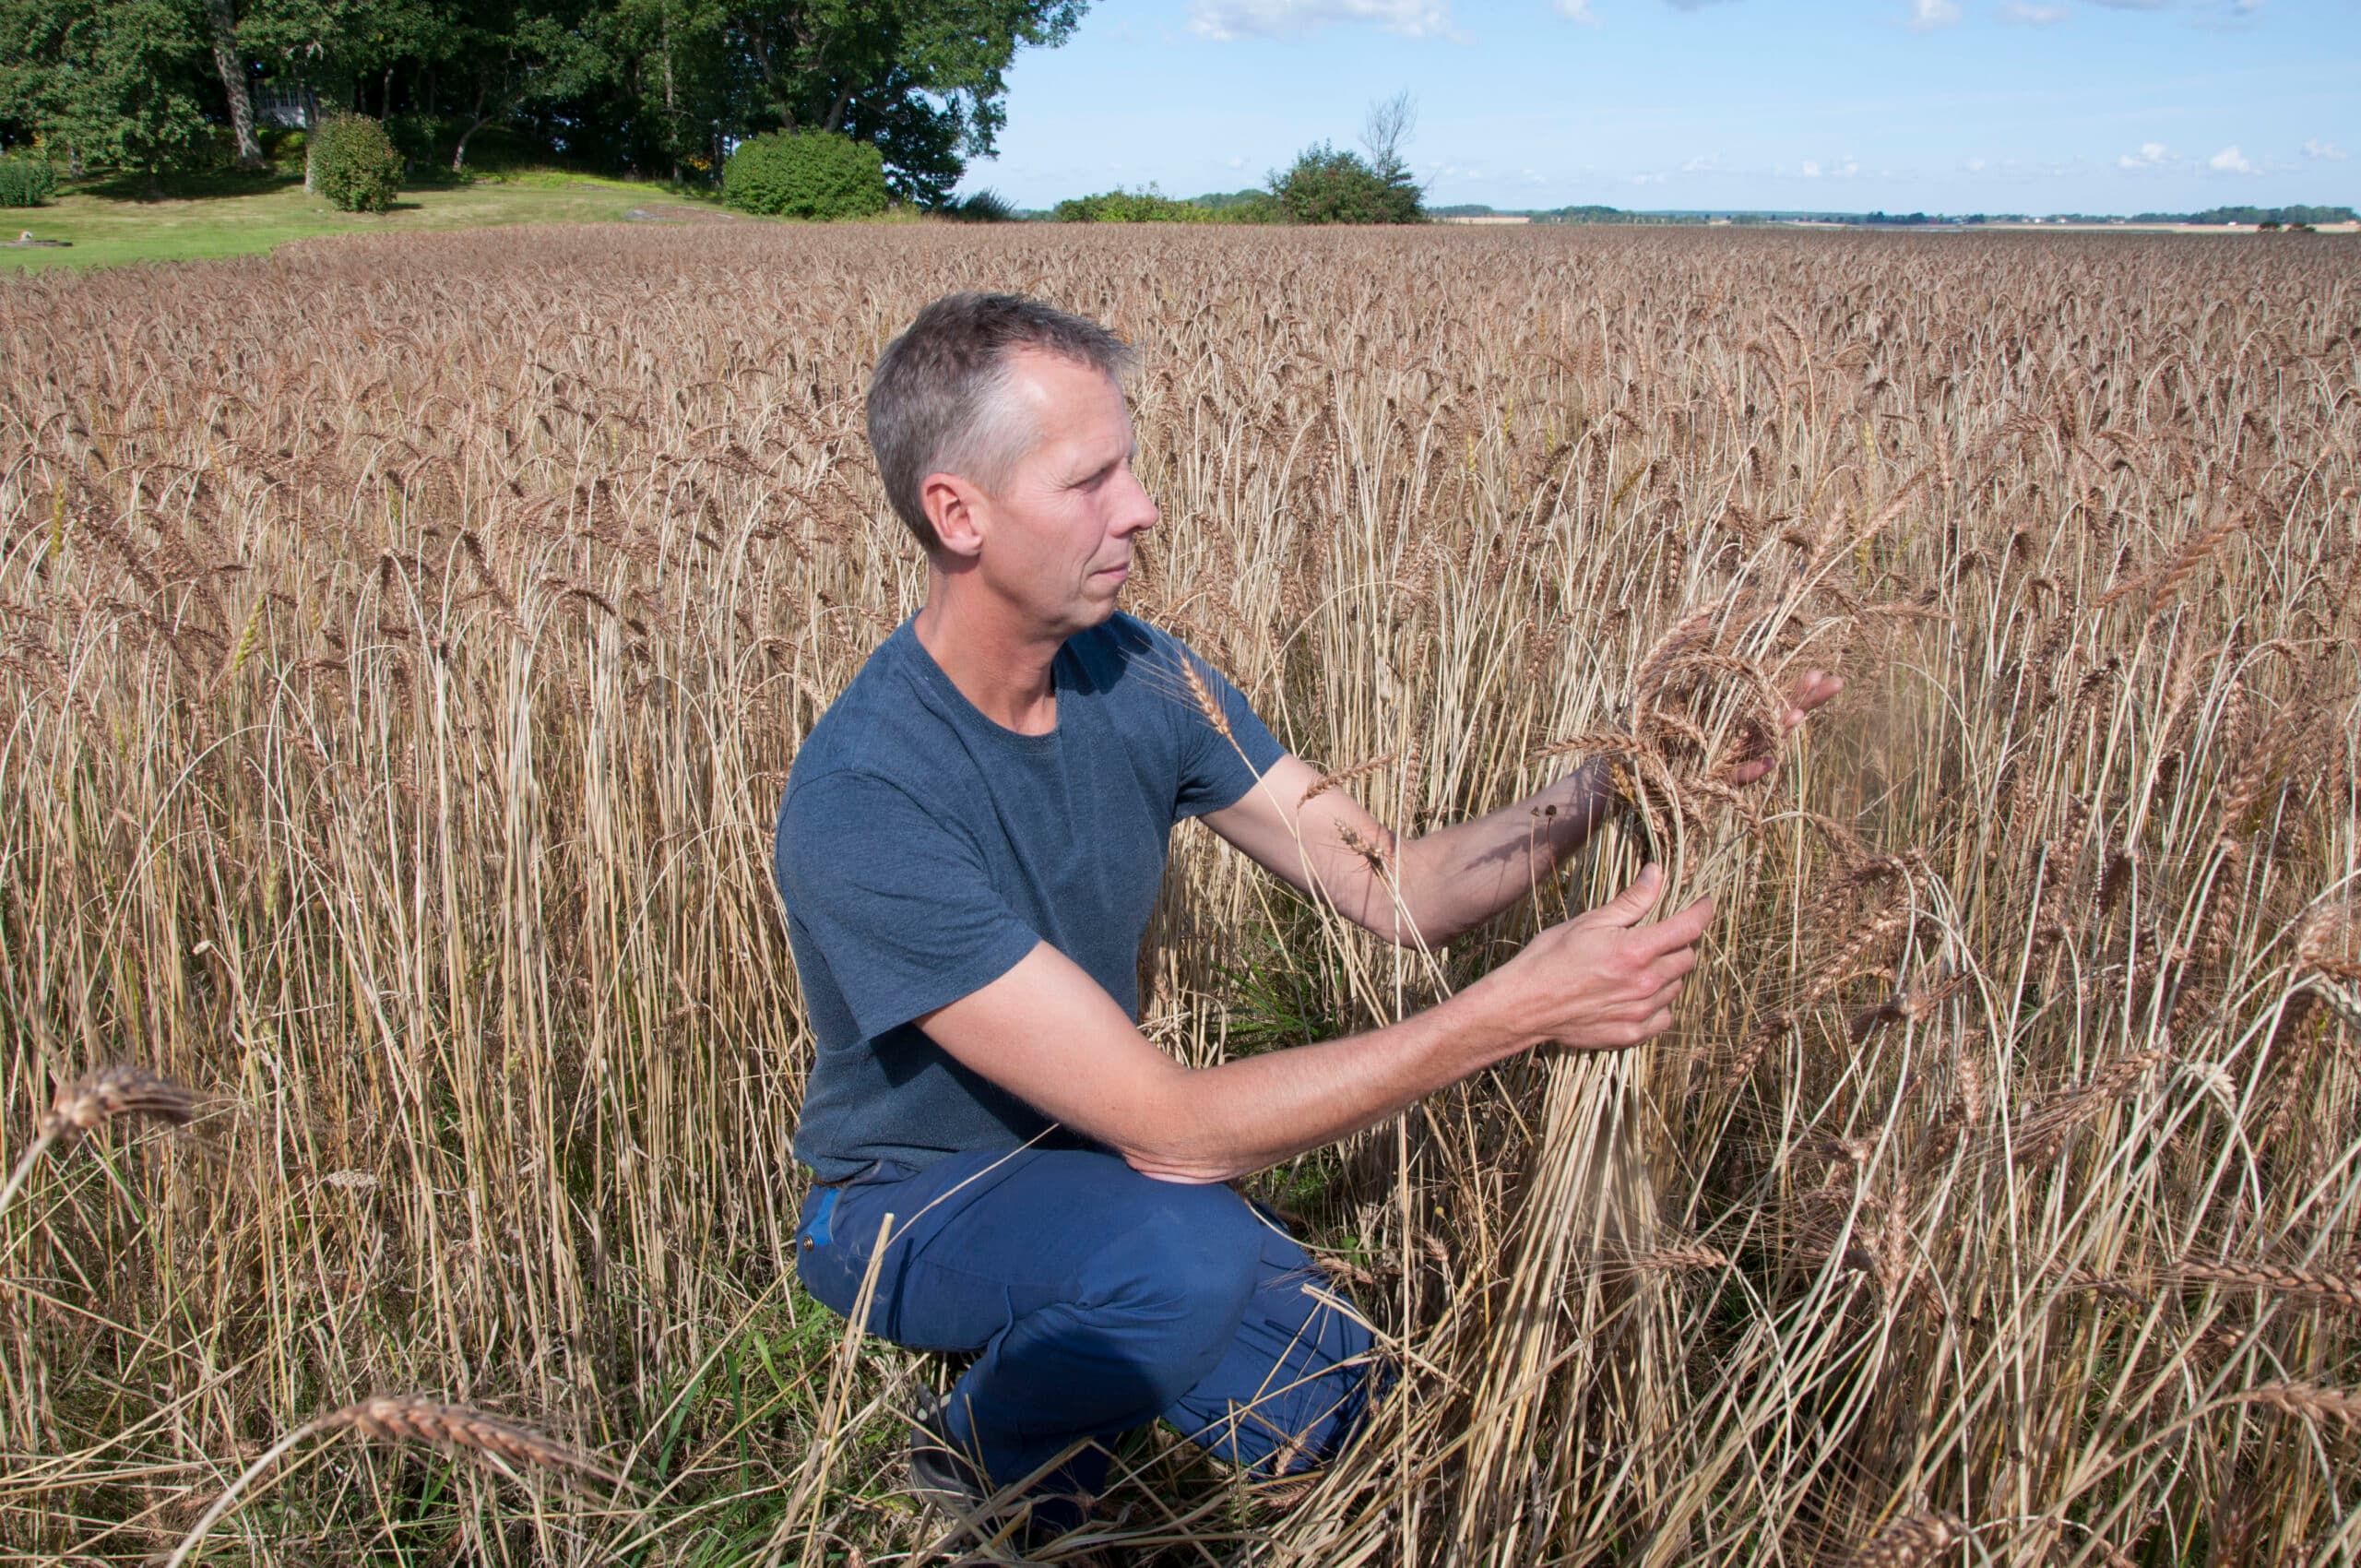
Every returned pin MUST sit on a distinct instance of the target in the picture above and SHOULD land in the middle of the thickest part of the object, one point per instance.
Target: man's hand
(1816, 687)
(1602, 980)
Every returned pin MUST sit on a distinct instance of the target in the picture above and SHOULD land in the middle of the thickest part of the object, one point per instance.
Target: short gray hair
(939, 403)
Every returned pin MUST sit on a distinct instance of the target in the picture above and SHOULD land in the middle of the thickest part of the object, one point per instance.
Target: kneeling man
(970, 847)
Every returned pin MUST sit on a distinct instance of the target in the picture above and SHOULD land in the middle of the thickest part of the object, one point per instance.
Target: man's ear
(955, 506)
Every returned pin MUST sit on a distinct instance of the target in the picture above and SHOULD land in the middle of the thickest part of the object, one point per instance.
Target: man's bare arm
(1046, 1033)
(1446, 882)
(1429, 890)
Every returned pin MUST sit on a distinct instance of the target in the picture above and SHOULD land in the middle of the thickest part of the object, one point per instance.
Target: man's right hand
(1604, 980)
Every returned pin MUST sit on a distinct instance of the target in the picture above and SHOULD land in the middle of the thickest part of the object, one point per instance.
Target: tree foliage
(1332, 185)
(1337, 186)
(662, 86)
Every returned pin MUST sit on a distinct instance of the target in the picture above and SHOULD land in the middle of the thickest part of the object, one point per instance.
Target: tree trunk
(459, 153)
(836, 110)
(671, 115)
(233, 68)
(311, 130)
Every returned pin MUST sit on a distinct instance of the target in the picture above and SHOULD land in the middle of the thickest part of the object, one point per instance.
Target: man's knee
(1181, 1272)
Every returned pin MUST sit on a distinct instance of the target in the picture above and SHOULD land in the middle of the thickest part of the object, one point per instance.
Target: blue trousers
(1097, 1300)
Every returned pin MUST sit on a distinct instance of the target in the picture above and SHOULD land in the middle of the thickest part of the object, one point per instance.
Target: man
(969, 849)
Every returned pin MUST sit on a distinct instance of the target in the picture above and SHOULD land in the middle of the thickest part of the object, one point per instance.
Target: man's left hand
(1816, 687)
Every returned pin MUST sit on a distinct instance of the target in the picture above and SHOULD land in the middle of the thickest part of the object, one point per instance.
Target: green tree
(1331, 185)
(508, 53)
(230, 65)
(923, 80)
(121, 82)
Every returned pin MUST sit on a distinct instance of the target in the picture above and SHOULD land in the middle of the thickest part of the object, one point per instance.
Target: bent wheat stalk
(411, 1417)
(100, 1096)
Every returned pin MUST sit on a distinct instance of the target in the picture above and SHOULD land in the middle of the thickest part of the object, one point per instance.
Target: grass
(402, 644)
(109, 227)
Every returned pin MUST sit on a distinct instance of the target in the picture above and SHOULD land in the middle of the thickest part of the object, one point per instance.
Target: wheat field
(403, 643)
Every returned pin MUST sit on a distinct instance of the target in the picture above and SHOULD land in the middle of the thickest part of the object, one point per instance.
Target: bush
(353, 163)
(984, 207)
(283, 146)
(1150, 205)
(805, 174)
(1330, 186)
(26, 182)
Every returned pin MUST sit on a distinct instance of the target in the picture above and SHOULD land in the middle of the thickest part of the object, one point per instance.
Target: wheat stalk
(411, 1417)
(104, 1095)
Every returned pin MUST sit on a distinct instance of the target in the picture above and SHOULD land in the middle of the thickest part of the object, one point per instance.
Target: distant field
(403, 643)
(105, 232)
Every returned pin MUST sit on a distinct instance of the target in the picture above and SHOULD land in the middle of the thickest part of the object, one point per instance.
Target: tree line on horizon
(652, 88)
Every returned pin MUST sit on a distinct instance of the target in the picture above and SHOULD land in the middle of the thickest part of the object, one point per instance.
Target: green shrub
(1150, 205)
(805, 174)
(984, 207)
(353, 163)
(1330, 186)
(26, 182)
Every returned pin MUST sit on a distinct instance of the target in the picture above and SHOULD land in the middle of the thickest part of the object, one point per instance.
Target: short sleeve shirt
(923, 849)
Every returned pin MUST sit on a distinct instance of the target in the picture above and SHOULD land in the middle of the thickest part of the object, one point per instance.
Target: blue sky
(1936, 105)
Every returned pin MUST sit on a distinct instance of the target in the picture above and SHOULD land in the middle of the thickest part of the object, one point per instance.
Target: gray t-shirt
(923, 849)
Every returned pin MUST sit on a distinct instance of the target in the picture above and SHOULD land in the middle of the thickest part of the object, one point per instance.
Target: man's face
(1059, 525)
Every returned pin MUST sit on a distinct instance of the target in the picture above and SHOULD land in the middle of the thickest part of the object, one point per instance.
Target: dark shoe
(940, 1474)
(998, 1529)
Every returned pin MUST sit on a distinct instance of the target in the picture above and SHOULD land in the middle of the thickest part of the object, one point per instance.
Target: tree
(922, 79)
(1390, 120)
(511, 53)
(1329, 185)
(230, 65)
(1332, 185)
(118, 81)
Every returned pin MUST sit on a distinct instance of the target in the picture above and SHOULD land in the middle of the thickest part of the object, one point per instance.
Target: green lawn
(105, 230)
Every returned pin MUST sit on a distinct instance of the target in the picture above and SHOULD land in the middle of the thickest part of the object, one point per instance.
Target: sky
(2034, 106)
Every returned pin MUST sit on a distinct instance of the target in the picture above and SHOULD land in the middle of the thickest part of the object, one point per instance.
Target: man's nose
(1139, 513)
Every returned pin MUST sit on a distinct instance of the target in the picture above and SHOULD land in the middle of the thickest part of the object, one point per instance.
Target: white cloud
(1847, 169)
(1226, 20)
(1811, 169)
(1576, 11)
(1237, 163)
(1975, 166)
(1925, 16)
(1691, 4)
(2150, 153)
(2031, 15)
(2323, 149)
(2230, 161)
(1709, 164)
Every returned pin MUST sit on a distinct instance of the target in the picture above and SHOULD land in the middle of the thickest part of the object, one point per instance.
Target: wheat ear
(410, 1417)
(97, 1096)
(1908, 1541)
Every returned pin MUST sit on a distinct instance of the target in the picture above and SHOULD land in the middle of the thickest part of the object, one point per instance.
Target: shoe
(1003, 1530)
(940, 1474)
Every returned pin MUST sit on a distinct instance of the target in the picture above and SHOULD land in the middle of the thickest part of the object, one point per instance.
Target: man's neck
(998, 663)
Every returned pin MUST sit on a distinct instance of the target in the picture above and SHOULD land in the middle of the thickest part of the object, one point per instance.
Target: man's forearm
(1458, 877)
(1251, 1113)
